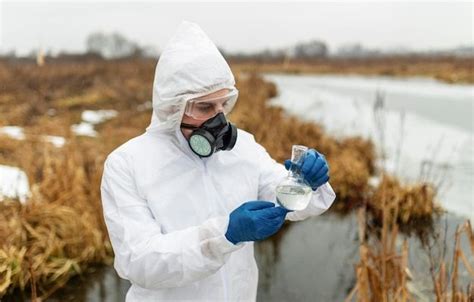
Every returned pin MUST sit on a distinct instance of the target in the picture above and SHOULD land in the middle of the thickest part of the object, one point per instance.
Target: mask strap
(188, 126)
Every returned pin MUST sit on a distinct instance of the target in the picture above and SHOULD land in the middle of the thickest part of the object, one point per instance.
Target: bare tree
(112, 45)
(312, 49)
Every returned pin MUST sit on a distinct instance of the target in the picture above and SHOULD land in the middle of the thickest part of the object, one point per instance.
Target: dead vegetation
(383, 270)
(59, 232)
(446, 69)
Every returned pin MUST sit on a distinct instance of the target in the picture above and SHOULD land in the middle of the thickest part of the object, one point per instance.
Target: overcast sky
(239, 26)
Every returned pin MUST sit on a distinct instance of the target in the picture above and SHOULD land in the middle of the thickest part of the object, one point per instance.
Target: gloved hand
(255, 220)
(314, 168)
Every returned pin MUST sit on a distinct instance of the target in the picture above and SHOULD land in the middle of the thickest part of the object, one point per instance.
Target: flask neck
(295, 172)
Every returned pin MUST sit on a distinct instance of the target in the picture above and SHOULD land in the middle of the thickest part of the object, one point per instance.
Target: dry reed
(59, 232)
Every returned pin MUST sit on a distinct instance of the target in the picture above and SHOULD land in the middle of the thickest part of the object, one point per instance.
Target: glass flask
(293, 193)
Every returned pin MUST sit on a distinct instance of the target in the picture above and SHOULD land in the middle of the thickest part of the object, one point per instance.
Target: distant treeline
(101, 45)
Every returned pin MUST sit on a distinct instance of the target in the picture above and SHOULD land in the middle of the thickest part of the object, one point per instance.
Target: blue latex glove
(255, 220)
(314, 168)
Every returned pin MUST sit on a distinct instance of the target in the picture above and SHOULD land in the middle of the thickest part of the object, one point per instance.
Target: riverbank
(446, 69)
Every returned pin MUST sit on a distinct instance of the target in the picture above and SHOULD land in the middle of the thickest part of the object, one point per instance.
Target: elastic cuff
(221, 223)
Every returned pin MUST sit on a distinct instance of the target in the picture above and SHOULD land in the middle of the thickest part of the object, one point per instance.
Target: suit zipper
(222, 270)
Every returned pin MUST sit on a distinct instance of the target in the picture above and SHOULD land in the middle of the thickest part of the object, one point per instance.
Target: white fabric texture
(167, 210)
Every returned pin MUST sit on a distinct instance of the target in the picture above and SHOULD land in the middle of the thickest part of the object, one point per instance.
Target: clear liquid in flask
(293, 197)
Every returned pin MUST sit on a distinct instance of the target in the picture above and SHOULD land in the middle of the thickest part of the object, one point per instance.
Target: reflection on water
(311, 260)
(104, 285)
(101, 285)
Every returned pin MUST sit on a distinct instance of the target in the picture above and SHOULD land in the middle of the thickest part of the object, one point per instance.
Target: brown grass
(446, 69)
(382, 270)
(59, 232)
(413, 206)
(446, 283)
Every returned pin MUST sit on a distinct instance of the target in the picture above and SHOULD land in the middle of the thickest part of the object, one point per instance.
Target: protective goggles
(204, 108)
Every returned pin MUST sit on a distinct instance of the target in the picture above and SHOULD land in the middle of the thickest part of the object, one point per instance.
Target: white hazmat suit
(167, 210)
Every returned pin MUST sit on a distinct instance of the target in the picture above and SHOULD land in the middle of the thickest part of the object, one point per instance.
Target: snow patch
(91, 118)
(14, 132)
(97, 116)
(13, 183)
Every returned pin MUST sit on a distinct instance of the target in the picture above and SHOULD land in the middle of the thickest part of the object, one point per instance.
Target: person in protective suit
(184, 201)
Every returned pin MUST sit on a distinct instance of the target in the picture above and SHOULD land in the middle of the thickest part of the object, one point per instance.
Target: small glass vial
(293, 193)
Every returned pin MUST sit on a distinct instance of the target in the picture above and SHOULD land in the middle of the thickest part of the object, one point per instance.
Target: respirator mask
(216, 133)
